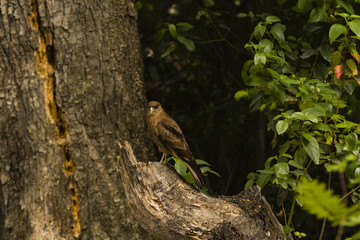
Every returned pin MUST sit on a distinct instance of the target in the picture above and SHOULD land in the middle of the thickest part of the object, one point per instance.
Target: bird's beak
(151, 109)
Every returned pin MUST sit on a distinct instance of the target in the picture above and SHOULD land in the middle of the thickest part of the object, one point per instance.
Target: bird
(167, 135)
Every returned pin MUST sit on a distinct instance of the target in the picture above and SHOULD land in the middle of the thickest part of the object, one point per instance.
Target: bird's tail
(196, 173)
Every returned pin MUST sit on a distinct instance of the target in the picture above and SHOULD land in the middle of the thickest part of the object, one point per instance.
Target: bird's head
(153, 107)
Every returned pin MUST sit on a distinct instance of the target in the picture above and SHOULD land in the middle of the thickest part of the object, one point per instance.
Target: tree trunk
(70, 87)
(171, 209)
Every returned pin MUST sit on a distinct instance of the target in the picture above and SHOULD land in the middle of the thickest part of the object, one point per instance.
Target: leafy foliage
(322, 202)
(181, 169)
(299, 70)
(304, 87)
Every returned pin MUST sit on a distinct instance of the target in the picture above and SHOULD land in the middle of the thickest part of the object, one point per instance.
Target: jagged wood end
(169, 208)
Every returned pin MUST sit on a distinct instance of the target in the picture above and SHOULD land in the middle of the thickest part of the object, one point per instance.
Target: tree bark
(171, 209)
(70, 86)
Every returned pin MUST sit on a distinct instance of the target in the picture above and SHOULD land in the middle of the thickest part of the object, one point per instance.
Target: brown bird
(167, 135)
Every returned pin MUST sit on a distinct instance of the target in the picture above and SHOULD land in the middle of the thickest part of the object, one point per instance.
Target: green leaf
(241, 94)
(281, 168)
(300, 157)
(189, 44)
(287, 229)
(184, 26)
(321, 202)
(259, 31)
(346, 6)
(172, 30)
(354, 216)
(326, 52)
(310, 28)
(274, 74)
(285, 155)
(357, 173)
(312, 149)
(346, 124)
(249, 183)
(308, 53)
(304, 5)
(341, 166)
(138, 5)
(284, 148)
(351, 141)
(287, 80)
(336, 58)
(321, 71)
(260, 58)
(323, 127)
(292, 182)
(257, 101)
(335, 31)
(354, 16)
(355, 236)
(278, 32)
(268, 162)
(317, 15)
(168, 50)
(282, 193)
(160, 34)
(295, 164)
(349, 87)
(252, 176)
(277, 91)
(352, 65)
(297, 115)
(339, 104)
(344, 15)
(267, 171)
(180, 166)
(244, 71)
(208, 170)
(272, 19)
(316, 111)
(264, 179)
(281, 126)
(307, 136)
(312, 118)
(355, 26)
(202, 162)
(267, 44)
(189, 178)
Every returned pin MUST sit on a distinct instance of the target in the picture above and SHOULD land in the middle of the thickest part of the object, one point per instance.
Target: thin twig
(322, 229)
(283, 209)
(292, 209)
(324, 220)
(220, 34)
(346, 195)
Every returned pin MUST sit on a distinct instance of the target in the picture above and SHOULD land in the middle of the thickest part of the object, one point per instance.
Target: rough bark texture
(171, 209)
(70, 87)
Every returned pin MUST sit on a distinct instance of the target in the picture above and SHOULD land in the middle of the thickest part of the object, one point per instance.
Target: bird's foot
(163, 158)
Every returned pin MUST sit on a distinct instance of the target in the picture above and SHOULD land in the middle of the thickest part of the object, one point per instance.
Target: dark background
(197, 88)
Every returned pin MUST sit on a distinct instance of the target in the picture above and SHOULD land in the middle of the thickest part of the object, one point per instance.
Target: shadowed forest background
(197, 87)
(195, 77)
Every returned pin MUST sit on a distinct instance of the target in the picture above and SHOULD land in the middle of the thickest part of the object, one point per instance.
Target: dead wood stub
(169, 208)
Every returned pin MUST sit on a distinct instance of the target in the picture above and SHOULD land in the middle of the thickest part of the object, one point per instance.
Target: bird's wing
(170, 134)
